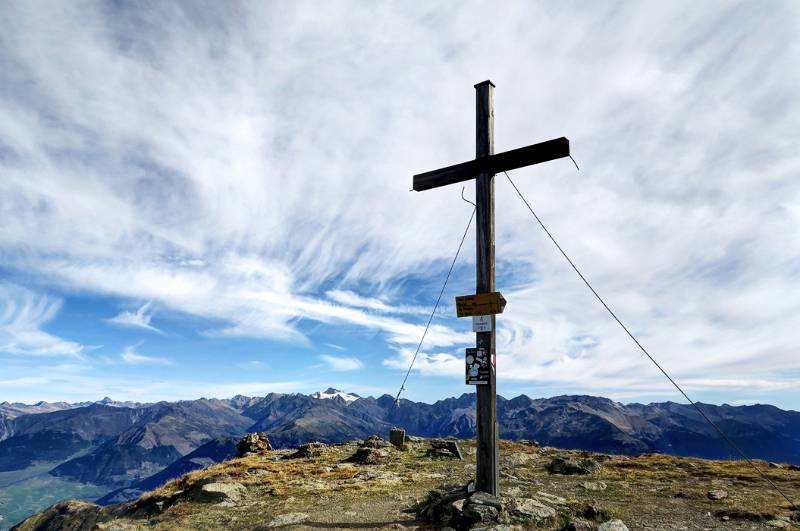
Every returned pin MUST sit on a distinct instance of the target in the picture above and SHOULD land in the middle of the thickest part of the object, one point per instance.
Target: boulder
(443, 506)
(578, 525)
(568, 466)
(717, 494)
(528, 510)
(312, 449)
(484, 498)
(778, 524)
(481, 507)
(288, 519)
(594, 512)
(595, 485)
(444, 448)
(367, 456)
(613, 525)
(253, 443)
(516, 459)
(373, 441)
(218, 492)
(483, 514)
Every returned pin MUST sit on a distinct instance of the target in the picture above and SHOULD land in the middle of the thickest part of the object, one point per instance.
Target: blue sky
(206, 199)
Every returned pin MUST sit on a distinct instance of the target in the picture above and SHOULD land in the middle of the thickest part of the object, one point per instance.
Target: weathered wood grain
(506, 161)
(487, 478)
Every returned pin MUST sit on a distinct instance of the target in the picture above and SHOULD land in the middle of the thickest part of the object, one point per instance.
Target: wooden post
(487, 472)
(482, 169)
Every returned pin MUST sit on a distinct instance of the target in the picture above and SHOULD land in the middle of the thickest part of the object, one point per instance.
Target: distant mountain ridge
(132, 448)
(15, 409)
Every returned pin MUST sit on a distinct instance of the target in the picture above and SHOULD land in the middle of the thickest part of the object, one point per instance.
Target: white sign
(481, 323)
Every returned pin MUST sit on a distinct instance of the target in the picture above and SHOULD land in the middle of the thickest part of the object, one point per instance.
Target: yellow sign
(480, 304)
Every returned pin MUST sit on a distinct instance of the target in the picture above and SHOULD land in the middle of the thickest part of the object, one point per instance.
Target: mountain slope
(213, 452)
(167, 432)
(59, 434)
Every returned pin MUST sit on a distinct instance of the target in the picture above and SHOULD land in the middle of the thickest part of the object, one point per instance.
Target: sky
(213, 198)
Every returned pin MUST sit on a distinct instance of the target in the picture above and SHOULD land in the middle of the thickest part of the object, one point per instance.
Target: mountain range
(133, 447)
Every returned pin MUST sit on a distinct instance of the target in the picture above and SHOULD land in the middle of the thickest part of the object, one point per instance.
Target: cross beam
(482, 169)
(506, 161)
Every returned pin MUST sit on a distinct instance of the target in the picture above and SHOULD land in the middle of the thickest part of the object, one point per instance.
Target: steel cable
(435, 306)
(638, 344)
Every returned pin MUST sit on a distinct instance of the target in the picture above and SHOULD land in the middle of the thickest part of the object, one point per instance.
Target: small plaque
(478, 367)
(481, 323)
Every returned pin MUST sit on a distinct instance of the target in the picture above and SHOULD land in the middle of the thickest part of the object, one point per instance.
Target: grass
(650, 491)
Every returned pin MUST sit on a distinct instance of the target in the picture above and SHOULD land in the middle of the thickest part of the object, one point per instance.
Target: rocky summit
(406, 488)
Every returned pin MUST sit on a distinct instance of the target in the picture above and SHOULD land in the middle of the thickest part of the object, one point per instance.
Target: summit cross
(483, 169)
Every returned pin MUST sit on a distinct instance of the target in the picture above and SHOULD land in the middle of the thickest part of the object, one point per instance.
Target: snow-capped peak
(335, 393)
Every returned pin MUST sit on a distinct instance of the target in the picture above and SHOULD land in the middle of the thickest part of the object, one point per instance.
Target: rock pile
(373, 441)
(443, 506)
(568, 466)
(444, 448)
(481, 507)
(253, 444)
(460, 508)
(366, 455)
(371, 451)
(312, 449)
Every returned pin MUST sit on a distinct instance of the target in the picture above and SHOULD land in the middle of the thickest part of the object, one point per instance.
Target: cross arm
(508, 160)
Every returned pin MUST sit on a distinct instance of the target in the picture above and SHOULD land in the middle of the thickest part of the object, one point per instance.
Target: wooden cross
(483, 169)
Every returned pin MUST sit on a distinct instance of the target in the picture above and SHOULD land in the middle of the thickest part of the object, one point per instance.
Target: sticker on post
(477, 366)
(481, 323)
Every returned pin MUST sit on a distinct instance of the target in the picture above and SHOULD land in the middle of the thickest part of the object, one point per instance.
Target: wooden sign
(480, 304)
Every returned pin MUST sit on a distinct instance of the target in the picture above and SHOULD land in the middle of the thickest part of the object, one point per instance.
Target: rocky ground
(378, 486)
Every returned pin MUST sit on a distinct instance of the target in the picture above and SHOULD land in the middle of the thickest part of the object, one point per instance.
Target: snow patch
(332, 393)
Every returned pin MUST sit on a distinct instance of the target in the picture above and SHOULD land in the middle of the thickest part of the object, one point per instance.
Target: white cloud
(350, 298)
(24, 381)
(342, 363)
(235, 176)
(433, 364)
(138, 319)
(130, 356)
(335, 347)
(23, 315)
(86, 385)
